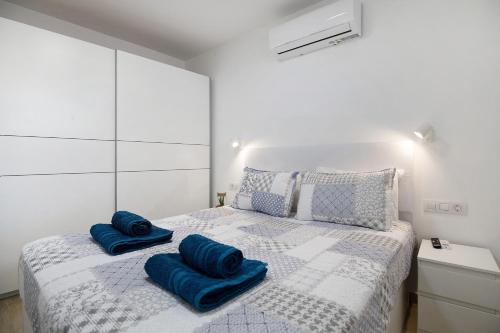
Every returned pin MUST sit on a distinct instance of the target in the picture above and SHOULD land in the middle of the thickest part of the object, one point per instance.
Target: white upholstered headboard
(355, 156)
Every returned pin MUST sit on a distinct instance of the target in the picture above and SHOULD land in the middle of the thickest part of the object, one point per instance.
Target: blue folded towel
(210, 257)
(202, 292)
(131, 224)
(116, 242)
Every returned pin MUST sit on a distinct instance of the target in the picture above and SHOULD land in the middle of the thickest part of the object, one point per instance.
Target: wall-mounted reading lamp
(236, 144)
(425, 132)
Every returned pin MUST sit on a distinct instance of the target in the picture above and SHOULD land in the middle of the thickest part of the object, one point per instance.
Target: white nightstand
(458, 290)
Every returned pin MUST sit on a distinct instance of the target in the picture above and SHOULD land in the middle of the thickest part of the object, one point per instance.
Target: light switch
(444, 207)
(429, 206)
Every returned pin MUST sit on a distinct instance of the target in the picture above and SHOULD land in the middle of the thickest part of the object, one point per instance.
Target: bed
(323, 277)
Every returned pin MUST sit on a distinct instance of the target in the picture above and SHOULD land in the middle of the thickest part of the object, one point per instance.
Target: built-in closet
(86, 130)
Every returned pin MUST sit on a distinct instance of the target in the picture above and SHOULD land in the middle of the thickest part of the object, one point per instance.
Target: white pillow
(395, 189)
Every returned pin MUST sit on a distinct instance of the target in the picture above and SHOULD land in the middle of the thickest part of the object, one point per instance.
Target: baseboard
(9, 294)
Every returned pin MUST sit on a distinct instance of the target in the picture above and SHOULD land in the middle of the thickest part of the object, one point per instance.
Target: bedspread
(323, 277)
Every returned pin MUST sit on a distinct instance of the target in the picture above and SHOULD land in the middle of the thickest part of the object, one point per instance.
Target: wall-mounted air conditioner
(316, 29)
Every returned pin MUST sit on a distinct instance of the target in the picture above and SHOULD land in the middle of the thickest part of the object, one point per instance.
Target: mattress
(322, 277)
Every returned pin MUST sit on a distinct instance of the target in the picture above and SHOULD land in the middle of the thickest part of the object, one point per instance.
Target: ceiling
(179, 28)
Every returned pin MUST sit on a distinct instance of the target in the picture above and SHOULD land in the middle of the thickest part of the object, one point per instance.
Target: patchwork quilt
(322, 277)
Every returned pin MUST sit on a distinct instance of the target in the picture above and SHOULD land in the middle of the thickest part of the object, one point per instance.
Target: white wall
(28, 16)
(418, 61)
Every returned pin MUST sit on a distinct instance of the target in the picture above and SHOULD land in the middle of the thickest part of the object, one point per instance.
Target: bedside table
(458, 290)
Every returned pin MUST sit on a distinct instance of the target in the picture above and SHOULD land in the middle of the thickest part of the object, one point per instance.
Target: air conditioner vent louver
(318, 28)
(319, 41)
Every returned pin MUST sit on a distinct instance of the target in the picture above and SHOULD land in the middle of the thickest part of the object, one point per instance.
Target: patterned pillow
(395, 187)
(355, 198)
(266, 191)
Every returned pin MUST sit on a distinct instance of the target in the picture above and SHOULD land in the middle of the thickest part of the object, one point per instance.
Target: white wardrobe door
(136, 156)
(165, 110)
(160, 103)
(38, 206)
(25, 155)
(52, 88)
(163, 193)
(52, 85)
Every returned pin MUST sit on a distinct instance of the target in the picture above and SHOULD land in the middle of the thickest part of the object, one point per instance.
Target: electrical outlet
(445, 207)
(233, 187)
(458, 208)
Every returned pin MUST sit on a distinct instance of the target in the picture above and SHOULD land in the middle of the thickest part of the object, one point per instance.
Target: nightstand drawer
(481, 289)
(441, 317)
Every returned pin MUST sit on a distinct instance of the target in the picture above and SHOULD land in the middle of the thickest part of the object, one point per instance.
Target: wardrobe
(86, 130)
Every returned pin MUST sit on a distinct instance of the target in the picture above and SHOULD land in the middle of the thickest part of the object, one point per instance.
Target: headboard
(352, 156)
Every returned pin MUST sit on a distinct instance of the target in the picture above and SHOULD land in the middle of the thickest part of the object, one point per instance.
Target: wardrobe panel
(53, 85)
(23, 155)
(160, 194)
(135, 156)
(159, 102)
(33, 207)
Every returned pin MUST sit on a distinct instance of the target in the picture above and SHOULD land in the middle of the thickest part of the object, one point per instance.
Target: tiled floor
(11, 316)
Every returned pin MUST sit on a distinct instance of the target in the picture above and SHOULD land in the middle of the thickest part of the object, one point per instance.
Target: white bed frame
(399, 312)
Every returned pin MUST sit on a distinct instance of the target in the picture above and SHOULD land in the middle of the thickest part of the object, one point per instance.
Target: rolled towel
(131, 224)
(115, 242)
(202, 292)
(210, 257)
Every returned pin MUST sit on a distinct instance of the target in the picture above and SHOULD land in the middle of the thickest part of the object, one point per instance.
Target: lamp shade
(424, 132)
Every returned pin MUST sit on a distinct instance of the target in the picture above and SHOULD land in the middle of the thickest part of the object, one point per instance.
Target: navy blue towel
(210, 257)
(131, 224)
(204, 293)
(116, 242)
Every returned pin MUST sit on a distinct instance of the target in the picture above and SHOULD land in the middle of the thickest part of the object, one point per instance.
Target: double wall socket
(445, 207)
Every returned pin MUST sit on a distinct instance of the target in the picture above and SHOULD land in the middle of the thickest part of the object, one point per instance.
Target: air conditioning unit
(317, 29)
